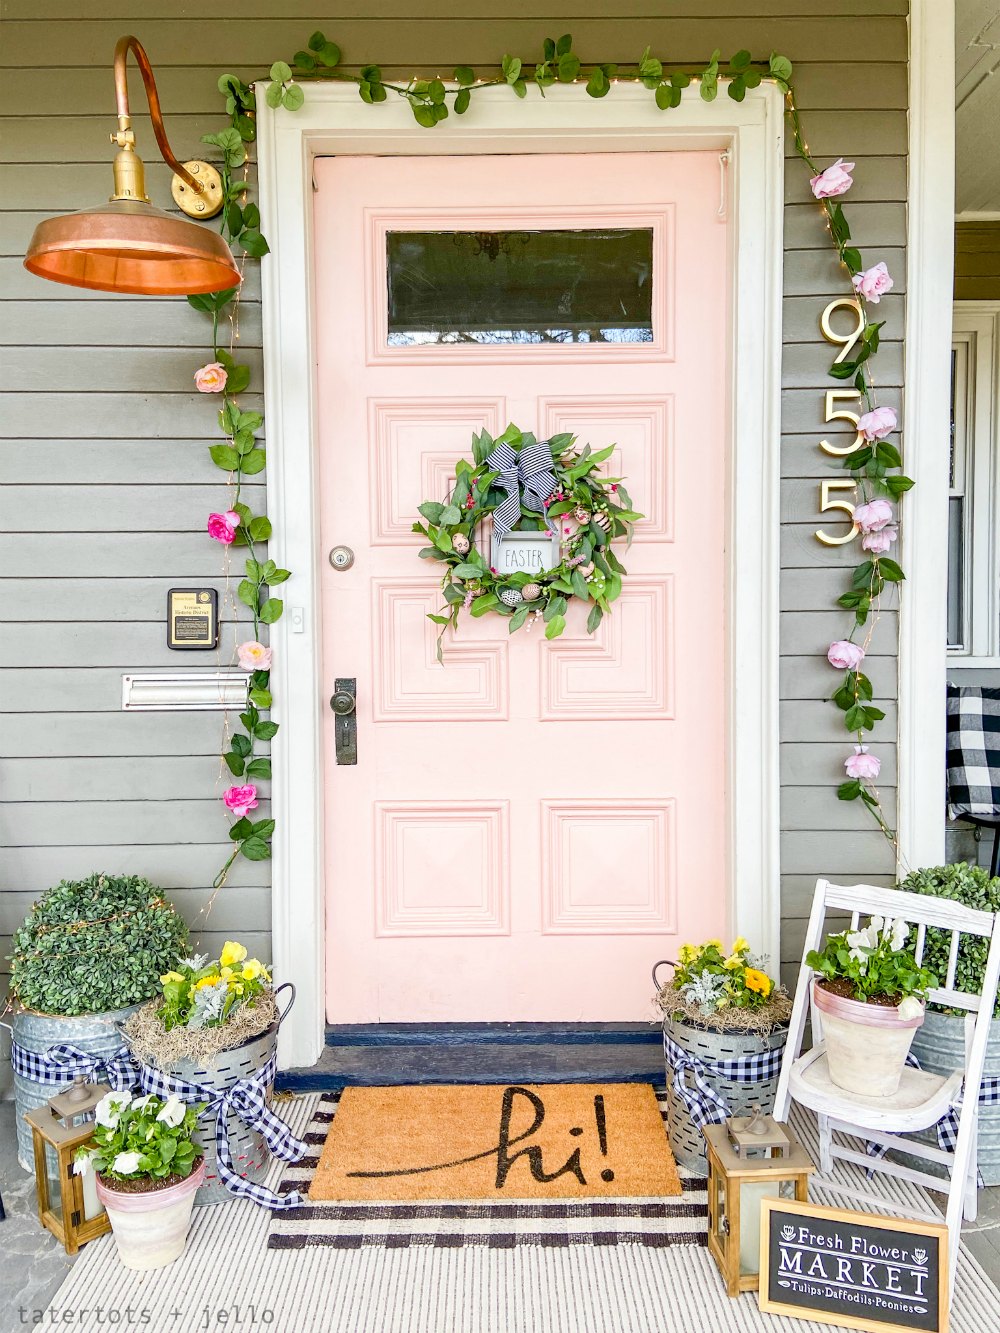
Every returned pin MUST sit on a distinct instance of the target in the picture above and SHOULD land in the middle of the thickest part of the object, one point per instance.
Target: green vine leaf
(291, 99)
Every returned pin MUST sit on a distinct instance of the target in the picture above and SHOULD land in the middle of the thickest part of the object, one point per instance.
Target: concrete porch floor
(35, 1264)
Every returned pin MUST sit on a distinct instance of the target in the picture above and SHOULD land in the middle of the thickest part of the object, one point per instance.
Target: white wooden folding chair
(923, 1098)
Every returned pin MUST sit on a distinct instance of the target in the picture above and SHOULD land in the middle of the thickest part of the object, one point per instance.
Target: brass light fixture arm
(124, 138)
(196, 186)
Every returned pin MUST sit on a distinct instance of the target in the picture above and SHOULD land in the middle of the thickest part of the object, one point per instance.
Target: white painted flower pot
(866, 1044)
(150, 1229)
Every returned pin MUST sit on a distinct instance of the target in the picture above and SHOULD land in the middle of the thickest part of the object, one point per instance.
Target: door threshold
(382, 1055)
(492, 1034)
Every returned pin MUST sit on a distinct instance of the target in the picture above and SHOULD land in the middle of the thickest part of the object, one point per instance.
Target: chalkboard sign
(859, 1270)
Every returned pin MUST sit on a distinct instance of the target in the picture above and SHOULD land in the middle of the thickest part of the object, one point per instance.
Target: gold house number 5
(835, 412)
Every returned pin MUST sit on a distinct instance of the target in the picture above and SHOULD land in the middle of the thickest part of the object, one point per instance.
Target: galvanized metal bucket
(940, 1047)
(249, 1150)
(97, 1034)
(686, 1140)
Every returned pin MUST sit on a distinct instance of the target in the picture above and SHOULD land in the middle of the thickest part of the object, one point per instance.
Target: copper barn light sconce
(127, 245)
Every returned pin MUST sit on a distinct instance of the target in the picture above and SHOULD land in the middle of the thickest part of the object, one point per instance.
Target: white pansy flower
(110, 1107)
(141, 1103)
(898, 932)
(172, 1111)
(81, 1164)
(909, 1008)
(126, 1163)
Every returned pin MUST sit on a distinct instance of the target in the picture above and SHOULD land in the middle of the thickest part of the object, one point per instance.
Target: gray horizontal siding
(99, 423)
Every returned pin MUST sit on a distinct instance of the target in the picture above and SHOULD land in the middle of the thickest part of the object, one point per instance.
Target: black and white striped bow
(531, 468)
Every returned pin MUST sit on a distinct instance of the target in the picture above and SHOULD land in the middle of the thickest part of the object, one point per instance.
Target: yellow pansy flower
(714, 944)
(252, 969)
(168, 977)
(757, 981)
(733, 962)
(227, 972)
(687, 954)
(232, 953)
(740, 945)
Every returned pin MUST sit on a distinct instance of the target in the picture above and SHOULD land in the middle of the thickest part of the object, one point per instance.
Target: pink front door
(531, 825)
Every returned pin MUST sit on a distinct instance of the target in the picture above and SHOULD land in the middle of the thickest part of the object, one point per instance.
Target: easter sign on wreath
(553, 517)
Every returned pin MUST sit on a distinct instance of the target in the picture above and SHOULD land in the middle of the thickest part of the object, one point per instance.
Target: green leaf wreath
(592, 511)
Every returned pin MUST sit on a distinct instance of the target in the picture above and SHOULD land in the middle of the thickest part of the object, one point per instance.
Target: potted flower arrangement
(939, 1044)
(719, 1007)
(148, 1170)
(214, 1023)
(870, 991)
(85, 956)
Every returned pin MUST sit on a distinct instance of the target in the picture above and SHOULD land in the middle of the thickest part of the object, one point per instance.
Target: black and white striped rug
(654, 1222)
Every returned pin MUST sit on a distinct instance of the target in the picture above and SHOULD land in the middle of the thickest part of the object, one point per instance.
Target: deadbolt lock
(341, 558)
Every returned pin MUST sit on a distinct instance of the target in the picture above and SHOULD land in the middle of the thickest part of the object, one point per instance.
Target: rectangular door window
(515, 287)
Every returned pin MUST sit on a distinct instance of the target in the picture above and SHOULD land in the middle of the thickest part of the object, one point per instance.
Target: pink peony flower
(873, 283)
(211, 378)
(223, 526)
(845, 655)
(253, 656)
(873, 516)
(836, 179)
(861, 764)
(878, 423)
(240, 799)
(879, 541)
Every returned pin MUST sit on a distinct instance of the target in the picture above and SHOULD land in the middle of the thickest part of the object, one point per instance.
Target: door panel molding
(333, 122)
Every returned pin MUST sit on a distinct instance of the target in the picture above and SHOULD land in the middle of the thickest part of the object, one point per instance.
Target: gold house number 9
(828, 499)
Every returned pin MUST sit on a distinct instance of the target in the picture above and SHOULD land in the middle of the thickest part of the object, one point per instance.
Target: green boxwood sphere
(972, 887)
(95, 944)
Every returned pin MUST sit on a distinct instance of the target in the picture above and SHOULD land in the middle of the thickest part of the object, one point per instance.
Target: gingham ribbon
(59, 1065)
(704, 1105)
(531, 468)
(947, 1126)
(246, 1098)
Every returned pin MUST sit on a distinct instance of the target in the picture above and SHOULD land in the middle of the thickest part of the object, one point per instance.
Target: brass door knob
(343, 702)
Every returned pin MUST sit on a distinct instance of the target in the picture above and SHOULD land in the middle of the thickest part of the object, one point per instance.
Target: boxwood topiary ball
(96, 944)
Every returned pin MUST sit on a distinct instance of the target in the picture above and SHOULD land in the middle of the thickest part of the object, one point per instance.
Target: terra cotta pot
(866, 1044)
(151, 1227)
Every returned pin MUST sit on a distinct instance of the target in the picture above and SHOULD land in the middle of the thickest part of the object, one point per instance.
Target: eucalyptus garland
(874, 466)
(583, 510)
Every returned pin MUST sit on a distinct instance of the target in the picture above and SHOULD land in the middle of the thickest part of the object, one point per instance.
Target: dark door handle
(344, 701)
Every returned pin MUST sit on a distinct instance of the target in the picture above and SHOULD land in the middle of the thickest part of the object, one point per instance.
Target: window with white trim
(974, 493)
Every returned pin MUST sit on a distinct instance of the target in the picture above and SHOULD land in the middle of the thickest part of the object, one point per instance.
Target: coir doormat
(539, 1141)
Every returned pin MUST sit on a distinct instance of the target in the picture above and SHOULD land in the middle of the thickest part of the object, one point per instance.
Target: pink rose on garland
(879, 541)
(873, 516)
(861, 764)
(845, 655)
(836, 179)
(878, 423)
(253, 656)
(223, 526)
(211, 378)
(241, 799)
(873, 283)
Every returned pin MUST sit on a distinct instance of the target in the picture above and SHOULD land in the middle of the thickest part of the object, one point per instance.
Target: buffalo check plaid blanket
(973, 752)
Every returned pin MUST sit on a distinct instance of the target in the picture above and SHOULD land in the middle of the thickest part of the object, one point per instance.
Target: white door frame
(334, 121)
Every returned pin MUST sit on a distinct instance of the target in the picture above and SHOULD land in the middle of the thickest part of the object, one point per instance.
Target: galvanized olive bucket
(939, 1045)
(248, 1148)
(686, 1140)
(96, 1034)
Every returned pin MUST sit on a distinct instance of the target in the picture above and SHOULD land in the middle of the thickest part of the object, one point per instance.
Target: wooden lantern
(747, 1162)
(67, 1203)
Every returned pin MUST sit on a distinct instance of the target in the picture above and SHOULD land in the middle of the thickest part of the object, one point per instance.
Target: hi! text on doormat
(538, 1141)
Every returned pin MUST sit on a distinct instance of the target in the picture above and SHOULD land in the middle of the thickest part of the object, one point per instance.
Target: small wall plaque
(192, 618)
(524, 553)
